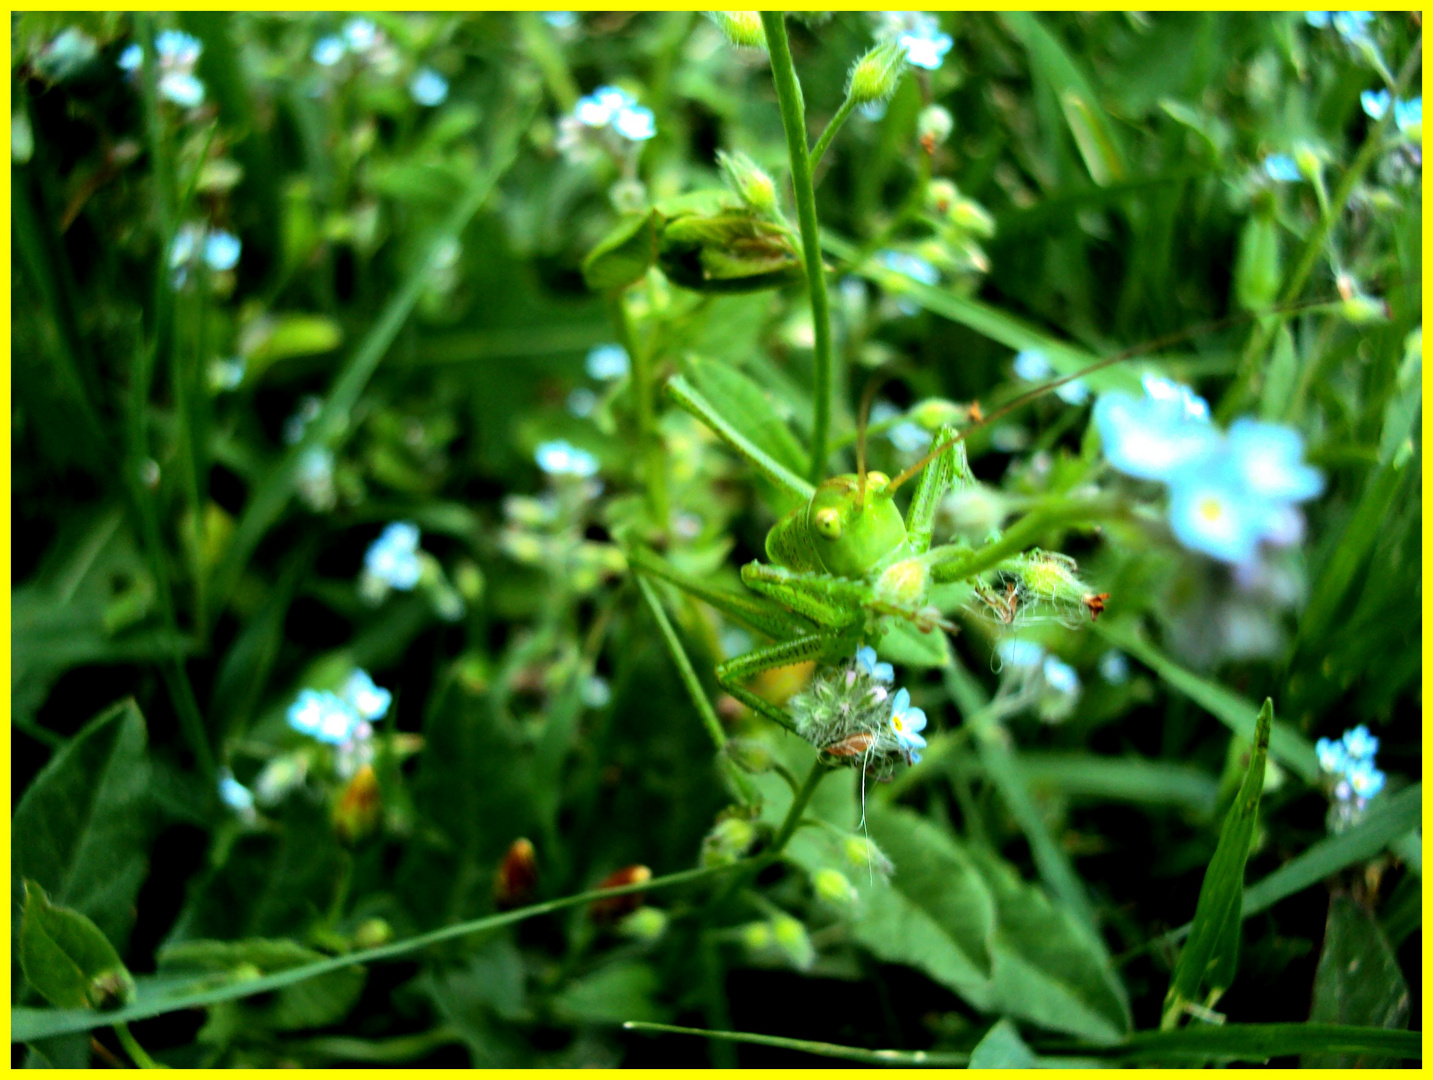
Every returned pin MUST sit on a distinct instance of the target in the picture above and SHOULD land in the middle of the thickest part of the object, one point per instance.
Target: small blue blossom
(581, 402)
(635, 123)
(611, 106)
(1332, 754)
(367, 699)
(909, 437)
(872, 110)
(1060, 676)
(393, 558)
(1114, 667)
(360, 34)
(1359, 743)
(1269, 459)
(131, 57)
(1283, 168)
(428, 88)
(607, 362)
(323, 715)
(1319, 20)
(1353, 26)
(1155, 436)
(1019, 654)
(314, 478)
(1193, 406)
(561, 458)
(912, 266)
(1032, 365)
(178, 53)
(1375, 103)
(1408, 115)
(182, 88)
(560, 20)
(1366, 780)
(177, 47)
(925, 45)
(235, 795)
(328, 50)
(221, 250)
(908, 722)
(876, 669)
(1212, 510)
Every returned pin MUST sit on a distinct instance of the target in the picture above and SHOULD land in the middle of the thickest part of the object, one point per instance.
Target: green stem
(1023, 534)
(547, 55)
(136, 1052)
(798, 807)
(842, 114)
(793, 119)
(27, 1025)
(684, 665)
(643, 392)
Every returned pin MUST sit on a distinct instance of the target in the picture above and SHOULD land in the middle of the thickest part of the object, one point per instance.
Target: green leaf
(1002, 1048)
(1211, 955)
(1237, 713)
(1208, 1043)
(82, 829)
(747, 408)
(1258, 270)
(1078, 775)
(272, 338)
(621, 991)
(624, 255)
(903, 643)
(1358, 982)
(967, 920)
(66, 958)
(1280, 377)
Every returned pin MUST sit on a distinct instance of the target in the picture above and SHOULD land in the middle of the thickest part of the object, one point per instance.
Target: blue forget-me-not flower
(561, 458)
(607, 362)
(873, 667)
(178, 53)
(428, 88)
(907, 721)
(1283, 168)
(392, 559)
(1032, 365)
(1348, 764)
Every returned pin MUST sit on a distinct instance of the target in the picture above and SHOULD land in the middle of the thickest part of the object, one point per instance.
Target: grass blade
(907, 1058)
(1254, 1042)
(1212, 953)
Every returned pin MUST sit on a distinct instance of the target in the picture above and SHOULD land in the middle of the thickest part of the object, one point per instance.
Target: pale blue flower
(1366, 780)
(560, 20)
(1032, 365)
(428, 88)
(912, 266)
(909, 437)
(908, 722)
(1269, 459)
(360, 34)
(131, 57)
(1060, 676)
(925, 45)
(1375, 103)
(323, 715)
(1019, 654)
(393, 557)
(367, 699)
(561, 458)
(235, 795)
(599, 108)
(1212, 510)
(607, 362)
(1408, 115)
(314, 478)
(1317, 19)
(1283, 168)
(1191, 404)
(328, 50)
(177, 47)
(1156, 436)
(1333, 756)
(581, 402)
(873, 668)
(1359, 743)
(182, 88)
(635, 123)
(67, 54)
(1114, 667)
(1353, 26)
(221, 250)
(872, 110)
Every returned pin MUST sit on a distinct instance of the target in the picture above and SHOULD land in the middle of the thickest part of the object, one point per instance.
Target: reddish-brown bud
(1096, 603)
(610, 909)
(356, 813)
(852, 746)
(516, 881)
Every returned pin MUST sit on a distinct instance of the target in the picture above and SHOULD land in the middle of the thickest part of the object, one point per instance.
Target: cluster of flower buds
(178, 54)
(851, 715)
(1036, 586)
(396, 562)
(608, 121)
(1353, 779)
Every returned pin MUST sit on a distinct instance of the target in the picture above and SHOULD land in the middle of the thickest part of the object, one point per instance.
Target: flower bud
(757, 936)
(933, 413)
(834, 888)
(646, 925)
(371, 933)
(1359, 309)
(969, 215)
(613, 908)
(356, 812)
(875, 76)
(1307, 159)
(940, 196)
(741, 28)
(863, 854)
(516, 880)
(728, 841)
(934, 126)
(755, 187)
(749, 755)
(790, 937)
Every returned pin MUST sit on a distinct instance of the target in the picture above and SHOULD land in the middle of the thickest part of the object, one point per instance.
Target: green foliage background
(418, 272)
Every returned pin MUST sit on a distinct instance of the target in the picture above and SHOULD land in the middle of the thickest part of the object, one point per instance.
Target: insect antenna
(862, 422)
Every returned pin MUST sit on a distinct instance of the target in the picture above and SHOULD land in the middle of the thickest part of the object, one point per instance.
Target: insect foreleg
(830, 601)
(950, 471)
(735, 672)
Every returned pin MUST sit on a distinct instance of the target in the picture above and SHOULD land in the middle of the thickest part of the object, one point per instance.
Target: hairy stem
(643, 391)
(842, 115)
(793, 119)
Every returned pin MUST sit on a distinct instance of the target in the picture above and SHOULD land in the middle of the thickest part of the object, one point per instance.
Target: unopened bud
(863, 854)
(755, 187)
(612, 908)
(516, 881)
(934, 125)
(940, 196)
(741, 28)
(1359, 309)
(1307, 159)
(757, 936)
(646, 925)
(933, 413)
(748, 754)
(111, 989)
(356, 812)
(791, 938)
(728, 841)
(834, 888)
(972, 217)
(371, 933)
(876, 75)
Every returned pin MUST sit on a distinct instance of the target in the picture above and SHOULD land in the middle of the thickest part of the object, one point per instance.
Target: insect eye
(828, 523)
(877, 480)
